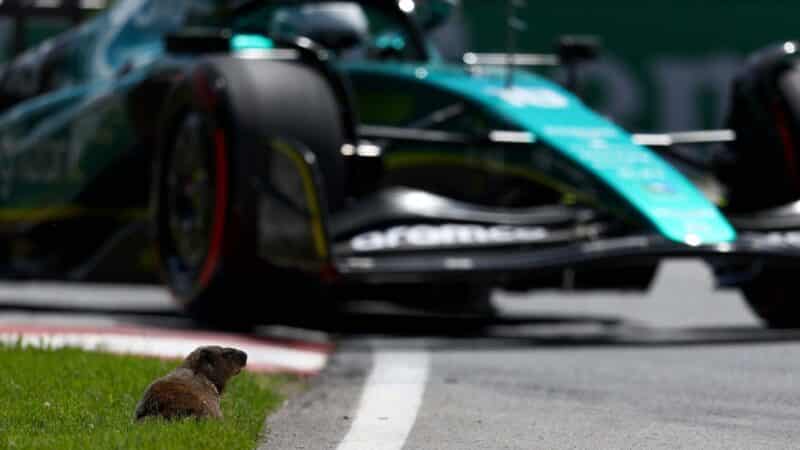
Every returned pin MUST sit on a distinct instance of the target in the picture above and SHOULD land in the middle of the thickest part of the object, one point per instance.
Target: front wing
(515, 263)
(439, 240)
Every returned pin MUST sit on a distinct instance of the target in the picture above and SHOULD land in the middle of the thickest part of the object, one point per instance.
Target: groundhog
(195, 387)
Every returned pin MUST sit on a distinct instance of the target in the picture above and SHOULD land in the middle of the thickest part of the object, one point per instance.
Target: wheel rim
(190, 195)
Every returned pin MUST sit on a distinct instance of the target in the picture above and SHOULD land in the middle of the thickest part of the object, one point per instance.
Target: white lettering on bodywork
(777, 239)
(416, 236)
(522, 97)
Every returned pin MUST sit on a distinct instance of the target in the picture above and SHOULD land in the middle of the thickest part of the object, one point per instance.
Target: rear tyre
(213, 127)
(774, 297)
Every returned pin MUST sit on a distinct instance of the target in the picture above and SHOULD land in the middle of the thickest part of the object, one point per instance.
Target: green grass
(71, 399)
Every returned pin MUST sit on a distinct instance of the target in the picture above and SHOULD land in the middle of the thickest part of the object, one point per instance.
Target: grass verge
(72, 399)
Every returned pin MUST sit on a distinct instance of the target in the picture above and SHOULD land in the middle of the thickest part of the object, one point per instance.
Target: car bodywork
(456, 173)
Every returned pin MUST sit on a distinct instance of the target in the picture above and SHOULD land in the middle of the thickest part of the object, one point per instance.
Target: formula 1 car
(322, 148)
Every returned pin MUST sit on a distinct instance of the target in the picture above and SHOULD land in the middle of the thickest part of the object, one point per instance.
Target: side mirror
(198, 40)
(573, 50)
(432, 13)
(577, 48)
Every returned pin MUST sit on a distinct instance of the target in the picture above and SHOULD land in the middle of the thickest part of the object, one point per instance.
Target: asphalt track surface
(683, 366)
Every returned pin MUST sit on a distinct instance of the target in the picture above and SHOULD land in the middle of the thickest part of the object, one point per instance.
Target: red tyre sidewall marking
(788, 144)
(220, 208)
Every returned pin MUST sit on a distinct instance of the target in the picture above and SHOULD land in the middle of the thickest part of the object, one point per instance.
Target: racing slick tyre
(213, 127)
(761, 168)
(773, 296)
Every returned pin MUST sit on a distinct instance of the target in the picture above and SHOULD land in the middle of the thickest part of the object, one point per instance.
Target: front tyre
(193, 224)
(773, 295)
(213, 130)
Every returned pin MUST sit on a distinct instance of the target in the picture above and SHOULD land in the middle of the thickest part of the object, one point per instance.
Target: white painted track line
(390, 401)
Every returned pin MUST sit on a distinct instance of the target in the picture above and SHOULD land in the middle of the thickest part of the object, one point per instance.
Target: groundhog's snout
(240, 357)
(236, 357)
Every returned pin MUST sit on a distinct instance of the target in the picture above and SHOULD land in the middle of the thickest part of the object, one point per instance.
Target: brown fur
(195, 387)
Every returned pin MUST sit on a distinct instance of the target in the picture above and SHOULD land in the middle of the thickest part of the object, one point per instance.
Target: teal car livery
(325, 146)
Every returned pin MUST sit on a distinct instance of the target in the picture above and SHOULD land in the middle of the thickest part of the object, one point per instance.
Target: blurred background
(665, 65)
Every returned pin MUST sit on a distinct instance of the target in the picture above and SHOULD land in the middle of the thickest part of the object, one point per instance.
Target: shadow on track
(356, 325)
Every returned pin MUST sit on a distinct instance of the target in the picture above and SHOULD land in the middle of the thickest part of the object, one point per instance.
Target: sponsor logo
(776, 239)
(522, 97)
(660, 188)
(447, 235)
(673, 213)
(581, 132)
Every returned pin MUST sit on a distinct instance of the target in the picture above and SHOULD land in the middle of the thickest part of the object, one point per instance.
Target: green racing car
(324, 148)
